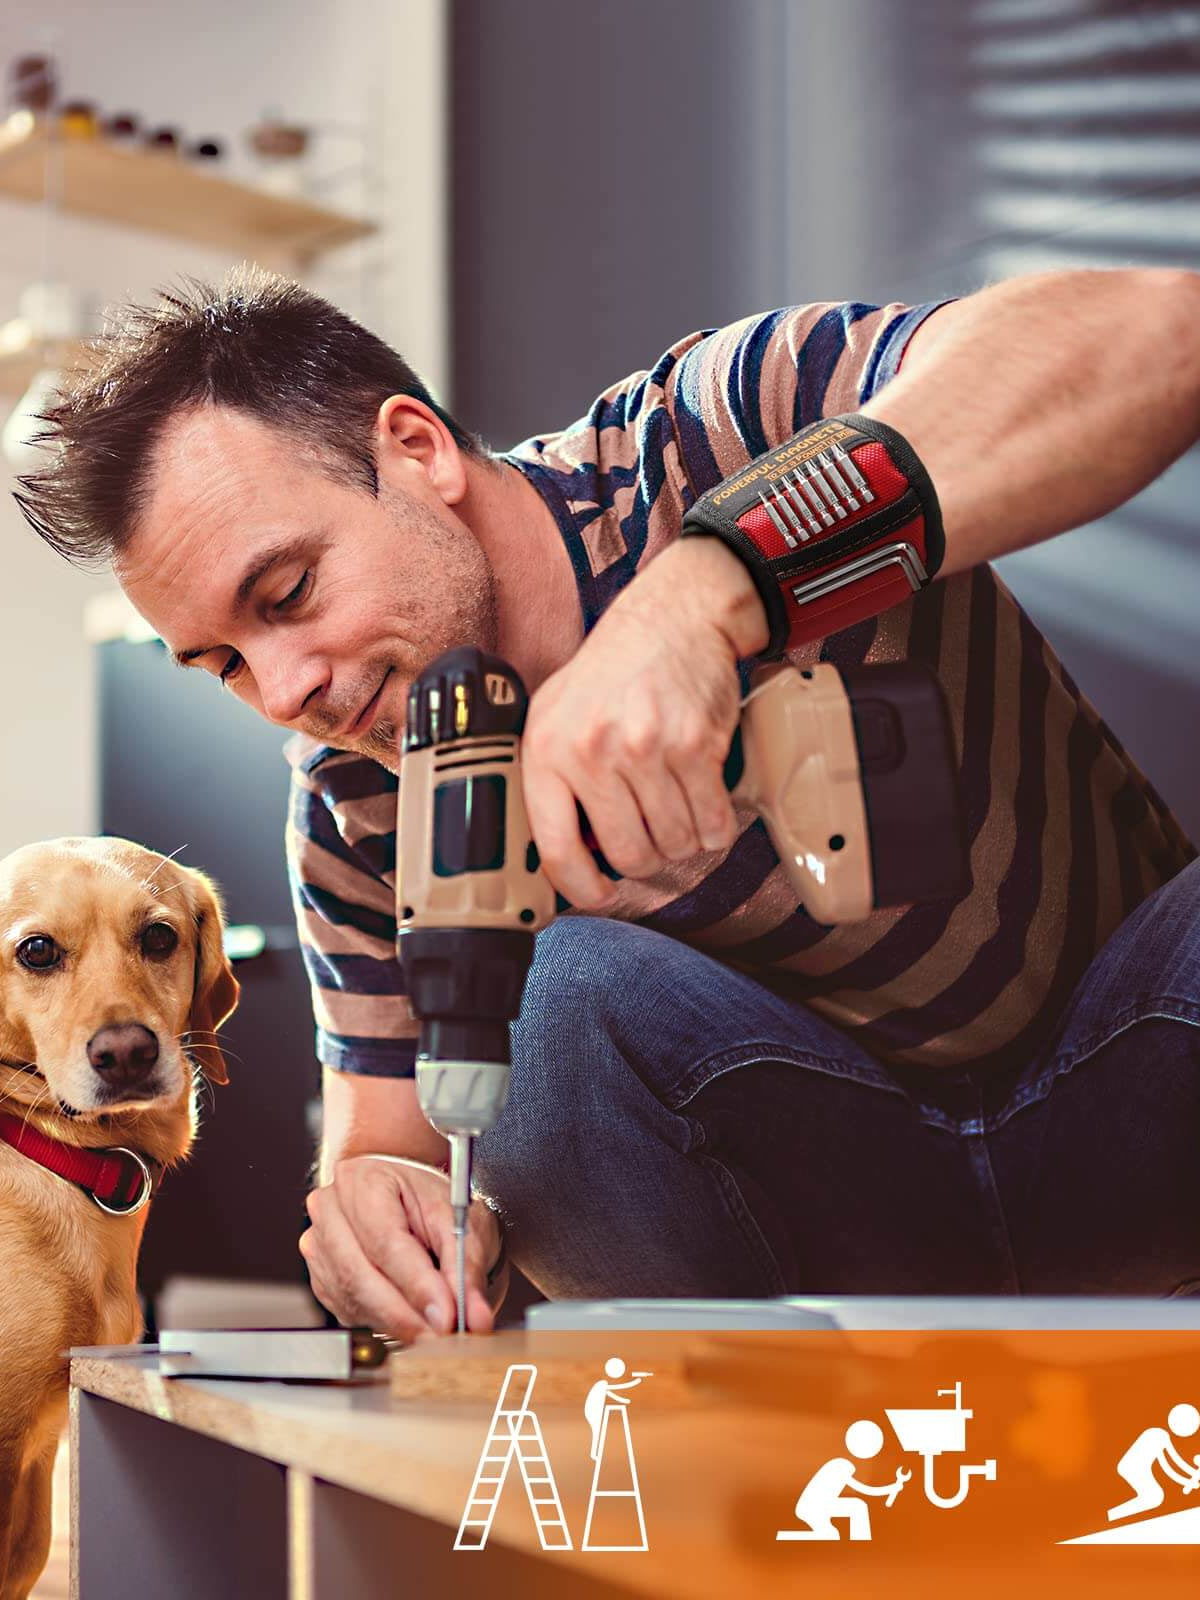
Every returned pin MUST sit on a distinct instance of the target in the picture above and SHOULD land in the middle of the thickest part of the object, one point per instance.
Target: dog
(113, 983)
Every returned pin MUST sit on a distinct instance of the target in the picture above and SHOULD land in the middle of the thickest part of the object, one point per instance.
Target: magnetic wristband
(837, 524)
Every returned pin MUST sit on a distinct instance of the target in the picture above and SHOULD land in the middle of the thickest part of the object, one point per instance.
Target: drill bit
(460, 1230)
(460, 1199)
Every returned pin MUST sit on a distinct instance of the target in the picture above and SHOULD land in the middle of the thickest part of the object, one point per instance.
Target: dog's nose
(125, 1053)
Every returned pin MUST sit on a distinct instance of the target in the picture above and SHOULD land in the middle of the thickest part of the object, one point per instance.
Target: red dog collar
(118, 1180)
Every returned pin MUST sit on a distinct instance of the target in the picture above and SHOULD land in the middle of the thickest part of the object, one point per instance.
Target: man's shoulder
(617, 410)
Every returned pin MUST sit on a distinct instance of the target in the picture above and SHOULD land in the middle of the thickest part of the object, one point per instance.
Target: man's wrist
(703, 567)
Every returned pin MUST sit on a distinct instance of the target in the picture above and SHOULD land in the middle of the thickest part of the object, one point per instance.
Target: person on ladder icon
(603, 1391)
(607, 1414)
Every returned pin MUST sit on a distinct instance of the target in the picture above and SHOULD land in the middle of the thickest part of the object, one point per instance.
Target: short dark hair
(258, 343)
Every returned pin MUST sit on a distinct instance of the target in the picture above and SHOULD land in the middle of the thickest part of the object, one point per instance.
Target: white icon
(938, 1432)
(928, 1433)
(823, 1496)
(515, 1434)
(602, 1406)
(1154, 1448)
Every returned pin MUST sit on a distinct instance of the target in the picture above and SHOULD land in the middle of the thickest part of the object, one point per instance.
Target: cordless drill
(852, 770)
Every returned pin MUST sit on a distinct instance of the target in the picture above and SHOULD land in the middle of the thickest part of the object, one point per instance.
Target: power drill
(852, 770)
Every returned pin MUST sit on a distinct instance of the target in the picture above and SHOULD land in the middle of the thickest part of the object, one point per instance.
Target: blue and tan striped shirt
(1066, 834)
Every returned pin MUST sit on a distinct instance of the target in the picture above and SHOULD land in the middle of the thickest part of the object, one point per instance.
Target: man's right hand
(368, 1250)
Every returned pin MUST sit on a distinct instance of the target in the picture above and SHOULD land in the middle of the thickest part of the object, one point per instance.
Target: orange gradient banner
(705, 1457)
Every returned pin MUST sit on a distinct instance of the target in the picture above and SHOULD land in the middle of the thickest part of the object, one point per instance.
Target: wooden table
(193, 1488)
(200, 1486)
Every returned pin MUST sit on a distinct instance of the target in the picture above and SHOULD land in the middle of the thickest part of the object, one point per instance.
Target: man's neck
(539, 625)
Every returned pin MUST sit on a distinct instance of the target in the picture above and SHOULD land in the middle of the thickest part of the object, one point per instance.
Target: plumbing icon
(835, 1494)
(939, 1431)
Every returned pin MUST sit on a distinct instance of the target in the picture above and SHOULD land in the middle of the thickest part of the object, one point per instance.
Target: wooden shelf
(147, 189)
(17, 368)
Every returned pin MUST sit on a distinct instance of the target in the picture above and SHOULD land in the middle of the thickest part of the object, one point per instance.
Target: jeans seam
(744, 1055)
(1068, 1060)
(981, 1159)
(739, 1211)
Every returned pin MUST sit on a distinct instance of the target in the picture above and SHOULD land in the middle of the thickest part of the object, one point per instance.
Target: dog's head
(112, 973)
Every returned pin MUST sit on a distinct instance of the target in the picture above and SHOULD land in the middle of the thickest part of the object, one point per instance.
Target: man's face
(315, 602)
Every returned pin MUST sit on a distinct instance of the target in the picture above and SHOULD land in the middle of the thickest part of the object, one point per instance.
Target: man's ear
(215, 990)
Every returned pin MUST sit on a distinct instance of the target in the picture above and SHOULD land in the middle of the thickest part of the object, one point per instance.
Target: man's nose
(286, 685)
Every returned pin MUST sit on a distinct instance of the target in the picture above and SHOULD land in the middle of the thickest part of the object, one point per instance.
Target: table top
(421, 1455)
(739, 1423)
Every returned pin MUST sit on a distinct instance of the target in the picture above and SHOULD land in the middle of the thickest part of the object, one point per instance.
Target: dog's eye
(38, 953)
(159, 939)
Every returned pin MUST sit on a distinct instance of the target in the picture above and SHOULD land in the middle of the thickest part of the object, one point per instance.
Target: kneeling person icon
(824, 1496)
(1155, 1447)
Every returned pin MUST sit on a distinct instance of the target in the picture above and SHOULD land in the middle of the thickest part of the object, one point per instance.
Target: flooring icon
(1151, 1458)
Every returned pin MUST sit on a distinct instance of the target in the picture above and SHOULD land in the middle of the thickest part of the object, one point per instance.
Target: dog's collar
(119, 1180)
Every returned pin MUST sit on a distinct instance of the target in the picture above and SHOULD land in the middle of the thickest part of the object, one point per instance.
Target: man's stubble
(464, 609)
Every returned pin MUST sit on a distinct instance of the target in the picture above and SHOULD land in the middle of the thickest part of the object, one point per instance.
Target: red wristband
(837, 524)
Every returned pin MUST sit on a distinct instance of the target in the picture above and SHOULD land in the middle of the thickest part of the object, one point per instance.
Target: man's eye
(232, 667)
(294, 596)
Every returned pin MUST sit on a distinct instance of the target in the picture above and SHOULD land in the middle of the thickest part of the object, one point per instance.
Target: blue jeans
(676, 1128)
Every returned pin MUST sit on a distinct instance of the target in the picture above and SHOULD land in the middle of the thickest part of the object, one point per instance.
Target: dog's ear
(215, 990)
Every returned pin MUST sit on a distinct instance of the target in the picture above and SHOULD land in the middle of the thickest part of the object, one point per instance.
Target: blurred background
(531, 199)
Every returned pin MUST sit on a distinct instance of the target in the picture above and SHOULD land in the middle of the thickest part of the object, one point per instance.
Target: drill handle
(735, 766)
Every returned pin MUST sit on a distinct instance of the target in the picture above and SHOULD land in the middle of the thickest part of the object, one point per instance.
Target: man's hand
(368, 1249)
(637, 725)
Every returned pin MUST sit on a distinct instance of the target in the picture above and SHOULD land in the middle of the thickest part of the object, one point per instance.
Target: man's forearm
(1046, 401)
(363, 1115)
(1034, 406)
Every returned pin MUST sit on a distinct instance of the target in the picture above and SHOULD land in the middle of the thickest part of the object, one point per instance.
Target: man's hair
(257, 343)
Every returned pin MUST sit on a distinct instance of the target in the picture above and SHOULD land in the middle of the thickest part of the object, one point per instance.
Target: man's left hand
(637, 725)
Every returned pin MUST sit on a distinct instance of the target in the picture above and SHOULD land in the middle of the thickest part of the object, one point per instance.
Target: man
(712, 1094)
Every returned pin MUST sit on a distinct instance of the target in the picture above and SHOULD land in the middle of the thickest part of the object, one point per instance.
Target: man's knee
(1157, 947)
(586, 974)
(569, 1086)
(1149, 968)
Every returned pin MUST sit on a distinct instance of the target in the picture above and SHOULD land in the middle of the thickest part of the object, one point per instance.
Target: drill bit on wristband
(838, 524)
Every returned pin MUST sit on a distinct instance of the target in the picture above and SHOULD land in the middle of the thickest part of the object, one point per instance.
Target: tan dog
(112, 972)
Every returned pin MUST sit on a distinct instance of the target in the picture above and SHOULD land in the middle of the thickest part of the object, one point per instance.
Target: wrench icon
(902, 1477)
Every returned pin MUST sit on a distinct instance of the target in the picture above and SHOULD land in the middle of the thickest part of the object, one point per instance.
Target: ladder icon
(514, 1432)
(634, 1493)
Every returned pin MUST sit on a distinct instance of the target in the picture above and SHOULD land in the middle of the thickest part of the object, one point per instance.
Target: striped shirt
(1066, 834)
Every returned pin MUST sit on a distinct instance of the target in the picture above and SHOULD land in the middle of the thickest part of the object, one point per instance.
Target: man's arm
(1035, 406)
(363, 1115)
(1046, 401)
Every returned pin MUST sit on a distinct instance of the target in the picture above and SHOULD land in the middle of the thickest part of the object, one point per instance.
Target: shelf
(17, 368)
(167, 194)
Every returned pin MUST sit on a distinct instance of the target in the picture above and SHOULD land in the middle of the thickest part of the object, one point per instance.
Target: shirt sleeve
(341, 849)
(743, 389)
